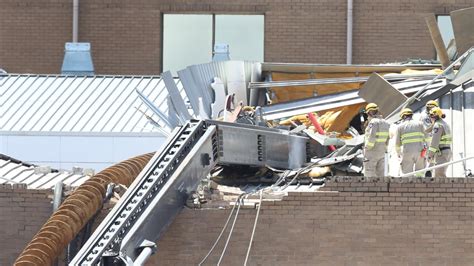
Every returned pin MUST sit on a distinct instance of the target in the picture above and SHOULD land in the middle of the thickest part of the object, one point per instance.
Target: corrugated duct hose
(76, 211)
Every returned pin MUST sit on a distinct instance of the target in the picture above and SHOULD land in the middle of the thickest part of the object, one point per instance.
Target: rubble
(241, 132)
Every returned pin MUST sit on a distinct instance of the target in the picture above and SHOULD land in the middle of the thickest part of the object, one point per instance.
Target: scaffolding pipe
(318, 128)
(75, 20)
(436, 166)
(58, 195)
(349, 32)
(143, 257)
(306, 82)
(418, 93)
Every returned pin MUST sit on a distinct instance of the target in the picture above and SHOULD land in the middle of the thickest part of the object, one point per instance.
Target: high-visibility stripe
(381, 140)
(433, 149)
(420, 174)
(370, 144)
(412, 134)
(406, 141)
(446, 139)
(382, 133)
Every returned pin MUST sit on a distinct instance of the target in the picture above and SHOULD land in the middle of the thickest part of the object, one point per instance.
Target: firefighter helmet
(405, 112)
(371, 107)
(431, 104)
(436, 111)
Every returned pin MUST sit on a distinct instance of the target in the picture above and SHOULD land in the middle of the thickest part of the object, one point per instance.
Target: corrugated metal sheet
(459, 109)
(14, 173)
(197, 79)
(58, 103)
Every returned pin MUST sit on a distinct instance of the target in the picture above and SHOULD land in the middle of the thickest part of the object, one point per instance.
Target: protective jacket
(376, 140)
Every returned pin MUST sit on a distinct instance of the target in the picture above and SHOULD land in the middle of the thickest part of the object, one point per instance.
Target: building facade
(127, 37)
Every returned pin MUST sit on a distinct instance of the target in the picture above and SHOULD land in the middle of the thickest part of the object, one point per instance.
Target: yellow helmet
(432, 103)
(436, 111)
(406, 111)
(371, 107)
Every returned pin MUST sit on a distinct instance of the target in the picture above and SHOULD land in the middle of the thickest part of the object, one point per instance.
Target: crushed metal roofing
(330, 101)
(13, 172)
(60, 103)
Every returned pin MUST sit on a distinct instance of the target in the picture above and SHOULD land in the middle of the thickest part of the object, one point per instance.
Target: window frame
(213, 26)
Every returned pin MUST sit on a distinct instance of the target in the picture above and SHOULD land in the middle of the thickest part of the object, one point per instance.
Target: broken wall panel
(463, 25)
(379, 91)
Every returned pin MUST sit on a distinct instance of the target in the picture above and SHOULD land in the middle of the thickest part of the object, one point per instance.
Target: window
(189, 39)
(446, 29)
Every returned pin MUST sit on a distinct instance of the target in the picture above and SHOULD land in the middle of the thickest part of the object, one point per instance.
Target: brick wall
(22, 213)
(354, 221)
(126, 35)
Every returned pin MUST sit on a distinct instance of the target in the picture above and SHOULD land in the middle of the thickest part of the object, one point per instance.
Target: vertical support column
(349, 32)
(75, 20)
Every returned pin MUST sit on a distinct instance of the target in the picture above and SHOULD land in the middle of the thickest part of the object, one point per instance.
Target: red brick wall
(126, 35)
(22, 213)
(354, 222)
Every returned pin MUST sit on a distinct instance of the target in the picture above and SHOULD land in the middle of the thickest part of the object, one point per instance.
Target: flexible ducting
(76, 211)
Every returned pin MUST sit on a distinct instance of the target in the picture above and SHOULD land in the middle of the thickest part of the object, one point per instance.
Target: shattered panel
(463, 23)
(379, 91)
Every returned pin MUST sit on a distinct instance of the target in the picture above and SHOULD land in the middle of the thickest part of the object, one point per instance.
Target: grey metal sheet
(378, 90)
(467, 66)
(467, 76)
(256, 75)
(163, 117)
(463, 25)
(175, 95)
(306, 82)
(459, 109)
(259, 146)
(335, 68)
(203, 77)
(197, 79)
(190, 88)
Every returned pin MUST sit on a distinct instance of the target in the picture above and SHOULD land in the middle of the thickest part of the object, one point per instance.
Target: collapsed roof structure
(257, 115)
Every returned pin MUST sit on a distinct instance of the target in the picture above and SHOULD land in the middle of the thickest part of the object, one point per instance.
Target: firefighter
(439, 150)
(376, 140)
(410, 143)
(425, 117)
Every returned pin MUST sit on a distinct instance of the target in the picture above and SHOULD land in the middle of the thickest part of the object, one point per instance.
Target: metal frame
(108, 236)
(306, 82)
(416, 96)
(325, 102)
(160, 190)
